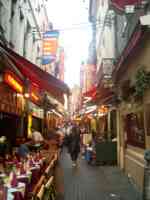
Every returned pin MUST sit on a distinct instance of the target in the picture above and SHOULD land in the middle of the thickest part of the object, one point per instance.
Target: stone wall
(132, 158)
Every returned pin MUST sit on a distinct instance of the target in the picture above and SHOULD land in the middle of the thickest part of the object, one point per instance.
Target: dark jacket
(74, 141)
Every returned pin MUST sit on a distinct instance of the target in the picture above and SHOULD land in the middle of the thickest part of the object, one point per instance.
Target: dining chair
(38, 185)
(49, 170)
(40, 194)
(49, 193)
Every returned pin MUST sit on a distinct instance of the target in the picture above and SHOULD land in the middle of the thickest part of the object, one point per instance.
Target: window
(26, 38)
(134, 126)
(124, 29)
(13, 8)
(21, 15)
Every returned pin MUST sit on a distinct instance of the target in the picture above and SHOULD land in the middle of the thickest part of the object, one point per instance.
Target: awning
(104, 96)
(42, 79)
(91, 92)
(120, 4)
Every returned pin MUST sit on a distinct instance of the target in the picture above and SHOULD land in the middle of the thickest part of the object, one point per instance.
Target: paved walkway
(87, 182)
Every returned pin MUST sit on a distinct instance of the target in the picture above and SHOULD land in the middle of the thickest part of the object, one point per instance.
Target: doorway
(9, 126)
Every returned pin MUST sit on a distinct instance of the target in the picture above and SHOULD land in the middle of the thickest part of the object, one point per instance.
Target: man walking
(74, 144)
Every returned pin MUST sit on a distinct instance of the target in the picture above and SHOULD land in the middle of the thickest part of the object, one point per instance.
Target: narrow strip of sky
(71, 18)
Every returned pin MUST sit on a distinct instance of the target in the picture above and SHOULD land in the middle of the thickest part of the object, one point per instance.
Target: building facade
(22, 24)
(122, 39)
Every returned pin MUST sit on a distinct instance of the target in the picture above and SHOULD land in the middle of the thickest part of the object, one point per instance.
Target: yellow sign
(12, 82)
(29, 126)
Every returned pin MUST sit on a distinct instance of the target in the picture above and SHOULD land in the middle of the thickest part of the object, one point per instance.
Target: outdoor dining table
(17, 192)
(24, 185)
(26, 178)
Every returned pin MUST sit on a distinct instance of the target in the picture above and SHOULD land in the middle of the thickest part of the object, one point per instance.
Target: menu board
(134, 124)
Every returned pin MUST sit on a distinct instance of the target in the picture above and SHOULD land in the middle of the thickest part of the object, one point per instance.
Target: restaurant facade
(23, 88)
(12, 103)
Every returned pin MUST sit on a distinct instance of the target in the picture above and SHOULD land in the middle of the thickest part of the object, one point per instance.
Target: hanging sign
(107, 68)
(34, 96)
(13, 82)
(50, 45)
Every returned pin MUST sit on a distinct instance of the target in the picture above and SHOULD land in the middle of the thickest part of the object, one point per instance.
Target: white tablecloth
(11, 190)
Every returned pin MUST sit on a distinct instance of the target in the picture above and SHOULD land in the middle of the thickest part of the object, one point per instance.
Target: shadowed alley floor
(87, 182)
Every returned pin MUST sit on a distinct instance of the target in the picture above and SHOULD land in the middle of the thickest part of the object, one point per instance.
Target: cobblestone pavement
(87, 182)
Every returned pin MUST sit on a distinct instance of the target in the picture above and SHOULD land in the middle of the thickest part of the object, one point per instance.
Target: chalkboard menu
(134, 124)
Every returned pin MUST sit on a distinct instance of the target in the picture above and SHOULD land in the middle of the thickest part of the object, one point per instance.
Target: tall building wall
(21, 25)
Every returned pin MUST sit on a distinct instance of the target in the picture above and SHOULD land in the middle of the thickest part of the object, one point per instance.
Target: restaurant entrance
(10, 126)
(37, 123)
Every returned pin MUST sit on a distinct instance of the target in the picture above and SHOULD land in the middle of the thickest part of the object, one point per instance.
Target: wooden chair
(55, 158)
(49, 170)
(40, 194)
(50, 193)
(49, 182)
(38, 186)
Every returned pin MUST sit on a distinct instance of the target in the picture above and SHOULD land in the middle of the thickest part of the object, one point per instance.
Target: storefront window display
(134, 125)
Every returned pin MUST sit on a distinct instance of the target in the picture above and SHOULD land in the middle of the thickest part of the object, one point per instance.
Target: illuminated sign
(34, 96)
(12, 81)
(50, 45)
(103, 109)
(34, 93)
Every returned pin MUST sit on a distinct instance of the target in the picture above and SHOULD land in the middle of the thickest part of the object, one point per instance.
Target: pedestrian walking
(74, 144)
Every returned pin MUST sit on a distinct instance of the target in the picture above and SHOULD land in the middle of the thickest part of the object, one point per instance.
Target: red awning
(120, 4)
(37, 76)
(91, 92)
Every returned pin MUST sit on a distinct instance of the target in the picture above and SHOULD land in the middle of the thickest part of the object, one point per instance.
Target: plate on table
(2, 175)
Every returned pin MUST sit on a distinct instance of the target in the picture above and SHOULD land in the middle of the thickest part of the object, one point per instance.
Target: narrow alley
(87, 182)
(75, 74)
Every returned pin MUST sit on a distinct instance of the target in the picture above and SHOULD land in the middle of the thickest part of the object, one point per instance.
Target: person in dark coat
(74, 144)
